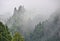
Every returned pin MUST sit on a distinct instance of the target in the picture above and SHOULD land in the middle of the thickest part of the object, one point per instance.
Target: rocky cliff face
(16, 22)
(20, 22)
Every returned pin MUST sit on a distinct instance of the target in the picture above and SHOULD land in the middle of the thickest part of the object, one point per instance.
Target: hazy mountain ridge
(52, 26)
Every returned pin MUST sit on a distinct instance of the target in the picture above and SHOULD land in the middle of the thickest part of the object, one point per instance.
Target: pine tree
(4, 33)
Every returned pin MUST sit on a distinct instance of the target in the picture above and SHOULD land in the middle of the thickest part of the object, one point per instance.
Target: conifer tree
(4, 33)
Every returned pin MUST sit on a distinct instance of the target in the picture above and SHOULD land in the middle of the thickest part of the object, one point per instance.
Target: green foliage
(17, 37)
(4, 33)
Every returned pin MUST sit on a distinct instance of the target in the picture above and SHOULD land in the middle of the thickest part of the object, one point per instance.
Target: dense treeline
(37, 33)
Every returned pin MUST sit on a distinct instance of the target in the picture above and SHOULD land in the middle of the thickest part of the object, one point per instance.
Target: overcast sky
(7, 6)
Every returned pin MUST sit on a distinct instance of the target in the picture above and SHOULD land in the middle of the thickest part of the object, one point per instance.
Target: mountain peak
(20, 10)
(15, 9)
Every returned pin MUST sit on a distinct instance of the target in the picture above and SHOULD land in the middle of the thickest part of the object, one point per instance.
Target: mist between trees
(18, 29)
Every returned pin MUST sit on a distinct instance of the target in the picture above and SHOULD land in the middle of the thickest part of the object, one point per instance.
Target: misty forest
(28, 25)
